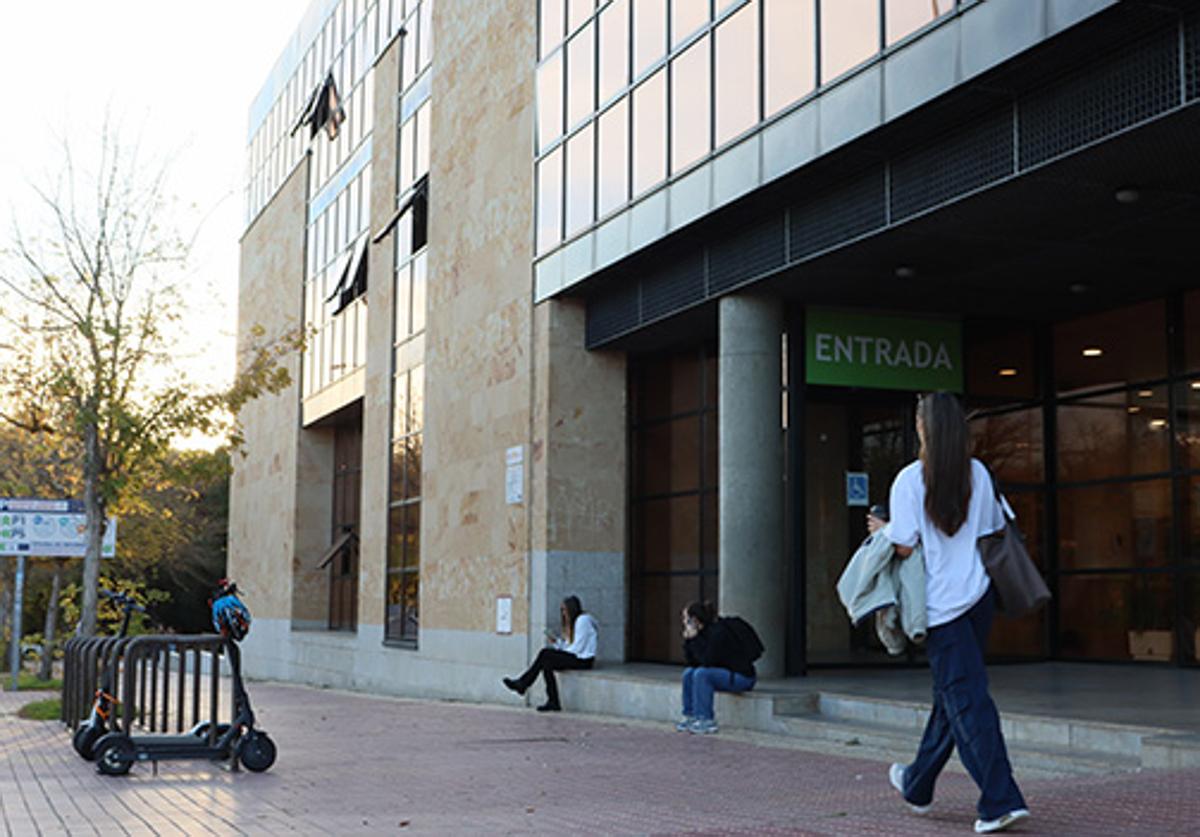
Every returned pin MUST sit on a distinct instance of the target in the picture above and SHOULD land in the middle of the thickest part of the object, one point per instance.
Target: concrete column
(753, 580)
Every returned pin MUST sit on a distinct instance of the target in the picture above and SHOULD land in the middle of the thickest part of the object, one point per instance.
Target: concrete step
(863, 739)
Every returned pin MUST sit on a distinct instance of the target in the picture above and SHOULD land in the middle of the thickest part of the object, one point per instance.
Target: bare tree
(98, 307)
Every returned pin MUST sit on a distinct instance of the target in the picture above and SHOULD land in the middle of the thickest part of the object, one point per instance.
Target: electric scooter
(238, 741)
(104, 707)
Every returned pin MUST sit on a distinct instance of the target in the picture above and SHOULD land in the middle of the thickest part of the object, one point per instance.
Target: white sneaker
(702, 726)
(1001, 822)
(684, 724)
(896, 777)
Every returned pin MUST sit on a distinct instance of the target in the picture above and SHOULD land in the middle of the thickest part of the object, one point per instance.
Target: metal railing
(156, 682)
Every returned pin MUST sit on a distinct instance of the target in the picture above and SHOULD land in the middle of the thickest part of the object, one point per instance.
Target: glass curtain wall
(632, 92)
(673, 499)
(402, 593)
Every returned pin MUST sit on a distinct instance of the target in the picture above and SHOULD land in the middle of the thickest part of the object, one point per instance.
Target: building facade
(630, 299)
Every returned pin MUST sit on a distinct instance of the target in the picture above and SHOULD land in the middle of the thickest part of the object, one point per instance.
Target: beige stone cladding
(262, 503)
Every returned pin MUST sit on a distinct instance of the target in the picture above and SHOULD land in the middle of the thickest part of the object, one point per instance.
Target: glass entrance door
(863, 433)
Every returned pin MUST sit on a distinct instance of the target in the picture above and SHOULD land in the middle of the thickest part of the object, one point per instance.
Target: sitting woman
(575, 649)
(716, 663)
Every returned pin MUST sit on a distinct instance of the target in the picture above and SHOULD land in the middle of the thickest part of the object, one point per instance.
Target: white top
(584, 644)
(954, 575)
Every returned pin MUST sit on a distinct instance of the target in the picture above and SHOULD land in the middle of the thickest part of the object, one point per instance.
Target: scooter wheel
(114, 754)
(84, 741)
(257, 752)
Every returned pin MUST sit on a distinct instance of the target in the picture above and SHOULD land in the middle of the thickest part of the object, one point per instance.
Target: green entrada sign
(868, 350)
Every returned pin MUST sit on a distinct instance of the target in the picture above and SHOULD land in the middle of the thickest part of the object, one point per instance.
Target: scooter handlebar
(122, 600)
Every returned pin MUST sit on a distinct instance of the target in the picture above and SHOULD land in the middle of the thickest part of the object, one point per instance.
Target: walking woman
(574, 649)
(945, 502)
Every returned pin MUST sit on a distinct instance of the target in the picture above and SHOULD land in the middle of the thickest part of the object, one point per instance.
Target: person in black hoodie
(717, 662)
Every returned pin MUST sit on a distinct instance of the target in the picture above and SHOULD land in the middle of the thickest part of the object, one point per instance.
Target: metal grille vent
(745, 254)
(980, 154)
(612, 314)
(1137, 83)
(846, 212)
(1191, 56)
(676, 285)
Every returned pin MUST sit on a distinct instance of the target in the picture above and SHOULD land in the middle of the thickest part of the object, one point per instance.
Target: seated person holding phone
(575, 649)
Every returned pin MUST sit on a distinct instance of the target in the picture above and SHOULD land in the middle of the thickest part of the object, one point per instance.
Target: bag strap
(1005, 508)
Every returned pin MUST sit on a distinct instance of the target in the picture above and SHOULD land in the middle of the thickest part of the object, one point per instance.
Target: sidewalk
(351, 764)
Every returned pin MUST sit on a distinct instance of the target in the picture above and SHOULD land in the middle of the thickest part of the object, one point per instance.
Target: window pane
(577, 13)
(1000, 364)
(581, 82)
(1116, 617)
(413, 450)
(1115, 525)
(670, 457)
(669, 534)
(421, 165)
(396, 491)
(396, 537)
(1191, 331)
(581, 180)
(402, 605)
(650, 132)
(690, 118)
(737, 73)
(649, 33)
(551, 26)
(790, 59)
(1114, 435)
(418, 293)
(549, 177)
(614, 157)
(550, 104)
(1011, 444)
(412, 535)
(849, 35)
(905, 16)
(1111, 349)
(1187, 428)
(1190, 494)
(656, 629)
(405, 156)
(416, 399)
(614, 49)
(686, 17)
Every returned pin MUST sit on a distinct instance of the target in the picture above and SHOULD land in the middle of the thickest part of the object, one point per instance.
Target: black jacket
(717, 647)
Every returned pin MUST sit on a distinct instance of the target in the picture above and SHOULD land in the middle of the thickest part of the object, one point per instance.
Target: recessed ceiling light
(1007, 372)
(1127, 194)
(1195, 384)
(1093, 351)
(1145, 393)
(906, 272)
(1134, 409)
(1078, 287)
(1158, 424)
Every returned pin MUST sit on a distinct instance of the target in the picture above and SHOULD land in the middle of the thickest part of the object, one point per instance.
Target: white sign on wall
(504, 614)
(514, 475)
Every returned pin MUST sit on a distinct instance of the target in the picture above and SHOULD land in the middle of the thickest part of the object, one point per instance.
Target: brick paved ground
(351, 764)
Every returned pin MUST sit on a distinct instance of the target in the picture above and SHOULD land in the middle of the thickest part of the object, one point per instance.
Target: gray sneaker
(685, 723)
(1001, 822)
(703, 726)
(896, 777)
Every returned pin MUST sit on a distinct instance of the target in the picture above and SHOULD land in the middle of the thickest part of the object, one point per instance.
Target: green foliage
(108, 615)
(41, 710)
(27, 681)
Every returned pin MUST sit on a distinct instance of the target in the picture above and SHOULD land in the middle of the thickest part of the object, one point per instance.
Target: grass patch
(41, 710)
(28, 681)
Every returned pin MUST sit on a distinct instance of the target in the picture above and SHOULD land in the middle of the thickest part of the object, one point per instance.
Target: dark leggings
(550, 660)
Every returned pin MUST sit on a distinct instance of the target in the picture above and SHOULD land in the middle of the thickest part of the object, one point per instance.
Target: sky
(177, 76)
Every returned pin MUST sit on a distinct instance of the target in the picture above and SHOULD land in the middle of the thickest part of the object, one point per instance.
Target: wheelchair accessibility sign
(858, 487)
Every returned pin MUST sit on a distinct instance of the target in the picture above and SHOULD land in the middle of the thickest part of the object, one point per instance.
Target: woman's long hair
(571, 608)
(945, 460)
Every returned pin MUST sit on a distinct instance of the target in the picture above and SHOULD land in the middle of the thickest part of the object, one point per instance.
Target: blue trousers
(964, 716)
(699, 685)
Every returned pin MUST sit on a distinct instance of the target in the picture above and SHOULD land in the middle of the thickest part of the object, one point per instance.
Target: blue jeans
(964, 716)
(699, 684)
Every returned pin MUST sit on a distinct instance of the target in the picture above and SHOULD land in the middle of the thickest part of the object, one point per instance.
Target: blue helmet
(231, 617)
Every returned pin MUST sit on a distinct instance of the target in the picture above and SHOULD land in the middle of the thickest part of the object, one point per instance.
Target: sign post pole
(14, 651)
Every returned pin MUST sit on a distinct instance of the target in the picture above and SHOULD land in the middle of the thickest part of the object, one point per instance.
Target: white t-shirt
(585, 633)
(954, 575)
